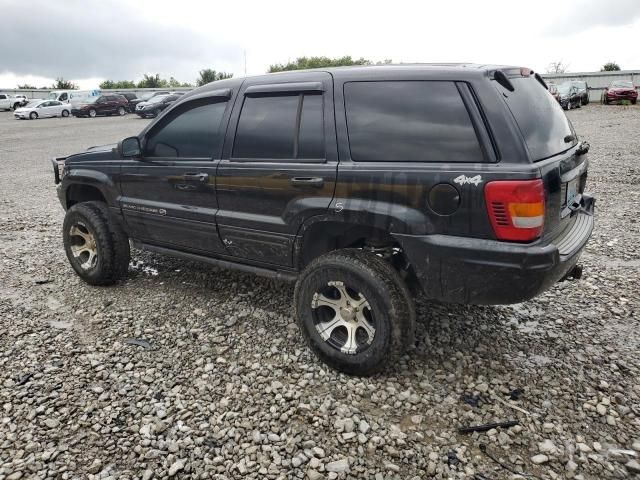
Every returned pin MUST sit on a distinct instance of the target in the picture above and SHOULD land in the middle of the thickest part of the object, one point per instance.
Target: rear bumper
(479, 271)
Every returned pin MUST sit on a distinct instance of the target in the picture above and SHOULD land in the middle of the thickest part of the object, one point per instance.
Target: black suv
(155, 105)
(364, 185)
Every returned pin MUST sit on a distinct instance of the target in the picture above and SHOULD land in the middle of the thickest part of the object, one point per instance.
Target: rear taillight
(516, 209)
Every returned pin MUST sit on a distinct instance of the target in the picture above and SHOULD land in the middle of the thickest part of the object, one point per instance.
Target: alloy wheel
(343, 318)
(83, 246)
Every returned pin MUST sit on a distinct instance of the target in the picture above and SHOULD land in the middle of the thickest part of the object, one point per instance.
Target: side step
(282, 275)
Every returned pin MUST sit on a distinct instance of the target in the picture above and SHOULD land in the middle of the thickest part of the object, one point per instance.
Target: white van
(73, 96)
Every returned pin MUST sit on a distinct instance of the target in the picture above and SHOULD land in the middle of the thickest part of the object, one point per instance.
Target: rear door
(279, 165)
(168, 195)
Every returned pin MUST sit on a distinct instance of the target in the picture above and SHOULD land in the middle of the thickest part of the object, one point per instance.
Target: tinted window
(409, 121)
(311, 136)
(193, 131)
(540, 118)
(266, 128)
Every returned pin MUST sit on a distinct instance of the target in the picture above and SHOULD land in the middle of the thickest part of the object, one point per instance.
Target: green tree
(209, 75)
(303, 63)
(62, 84)
(26, 86)
(153, 81)
(610, 67)
(117, 85)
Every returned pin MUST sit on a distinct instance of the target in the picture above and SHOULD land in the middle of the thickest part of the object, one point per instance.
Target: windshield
(53, 96)
(157, 99)
(540, 118)
(621, 84)
(33, 103)
(564, 88)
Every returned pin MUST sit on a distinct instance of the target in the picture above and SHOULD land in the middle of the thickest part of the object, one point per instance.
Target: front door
(168, 195)
(279, 165)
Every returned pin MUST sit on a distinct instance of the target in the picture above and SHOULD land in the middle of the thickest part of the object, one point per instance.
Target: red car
(620, 90)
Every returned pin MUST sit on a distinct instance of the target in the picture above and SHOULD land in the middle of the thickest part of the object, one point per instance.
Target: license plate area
(573, 187)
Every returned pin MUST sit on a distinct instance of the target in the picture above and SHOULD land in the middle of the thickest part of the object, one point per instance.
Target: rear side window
(409, 121)
(192, 131)
(280, 127)
(540, 118)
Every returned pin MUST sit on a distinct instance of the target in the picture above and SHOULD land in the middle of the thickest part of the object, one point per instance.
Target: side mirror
(130, 147)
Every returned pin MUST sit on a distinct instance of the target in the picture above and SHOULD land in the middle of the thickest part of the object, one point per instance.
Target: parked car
(583, 90)
(102, 105)
(360, 184)
(20, 100)
(131, 100)
(7, 102)
(42, 109)
(146, 97)
(618, 91)
(553, 90)
(155, 105)
(568, 96)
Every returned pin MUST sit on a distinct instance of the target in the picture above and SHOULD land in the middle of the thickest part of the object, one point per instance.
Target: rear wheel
(33, 115)
(65, 113)
(634, 101)
(354, 310)
(95, 244)
(92, 113)
(121, 111)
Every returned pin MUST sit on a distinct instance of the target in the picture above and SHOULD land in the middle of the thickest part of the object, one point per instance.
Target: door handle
(316, 182)
(196, 177)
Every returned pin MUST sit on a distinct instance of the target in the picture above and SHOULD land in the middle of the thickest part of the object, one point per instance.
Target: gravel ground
(225, 387)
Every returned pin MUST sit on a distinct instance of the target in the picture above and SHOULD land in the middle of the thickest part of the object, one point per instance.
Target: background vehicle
(318, 177)
(146, 97)
(568, 96)
(7, 102)
(620, 90)
(131, 100)
(155, 105)
(73, 96)
(102, 105)
(43, 109)
(583, 90)
(553, 90)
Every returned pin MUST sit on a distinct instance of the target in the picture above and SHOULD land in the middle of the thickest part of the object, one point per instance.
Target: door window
(280, 127)
(409, 121)
(191, 131)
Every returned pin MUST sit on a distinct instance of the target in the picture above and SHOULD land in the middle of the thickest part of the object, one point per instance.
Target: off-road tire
(390, 300)
(112, 244)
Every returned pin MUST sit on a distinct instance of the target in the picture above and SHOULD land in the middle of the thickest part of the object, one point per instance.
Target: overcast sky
(91, 40)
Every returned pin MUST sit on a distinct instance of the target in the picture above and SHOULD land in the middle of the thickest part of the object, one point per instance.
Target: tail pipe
(575, 273)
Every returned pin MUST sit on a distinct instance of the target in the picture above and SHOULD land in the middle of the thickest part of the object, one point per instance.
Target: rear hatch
(552, 144)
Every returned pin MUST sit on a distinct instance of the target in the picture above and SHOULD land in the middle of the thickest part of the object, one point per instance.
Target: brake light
(515, 208)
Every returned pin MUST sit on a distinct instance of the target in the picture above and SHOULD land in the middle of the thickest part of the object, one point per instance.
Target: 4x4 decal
(464, 180)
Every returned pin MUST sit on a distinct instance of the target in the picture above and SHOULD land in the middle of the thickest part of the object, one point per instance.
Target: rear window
(409, 121)
(540, 118)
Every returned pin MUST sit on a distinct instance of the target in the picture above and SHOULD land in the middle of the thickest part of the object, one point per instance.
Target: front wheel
(65, 113)
(33, 115)
(95, 244)
(92, 113)
(354, 310)
(634, 101)
(121, 111)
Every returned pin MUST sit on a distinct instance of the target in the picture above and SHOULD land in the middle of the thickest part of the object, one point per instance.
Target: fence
(44, 93)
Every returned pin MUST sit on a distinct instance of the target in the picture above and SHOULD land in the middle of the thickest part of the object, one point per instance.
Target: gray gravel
(225, 387)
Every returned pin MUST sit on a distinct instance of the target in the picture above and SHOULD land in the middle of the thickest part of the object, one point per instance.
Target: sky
(87, 41)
